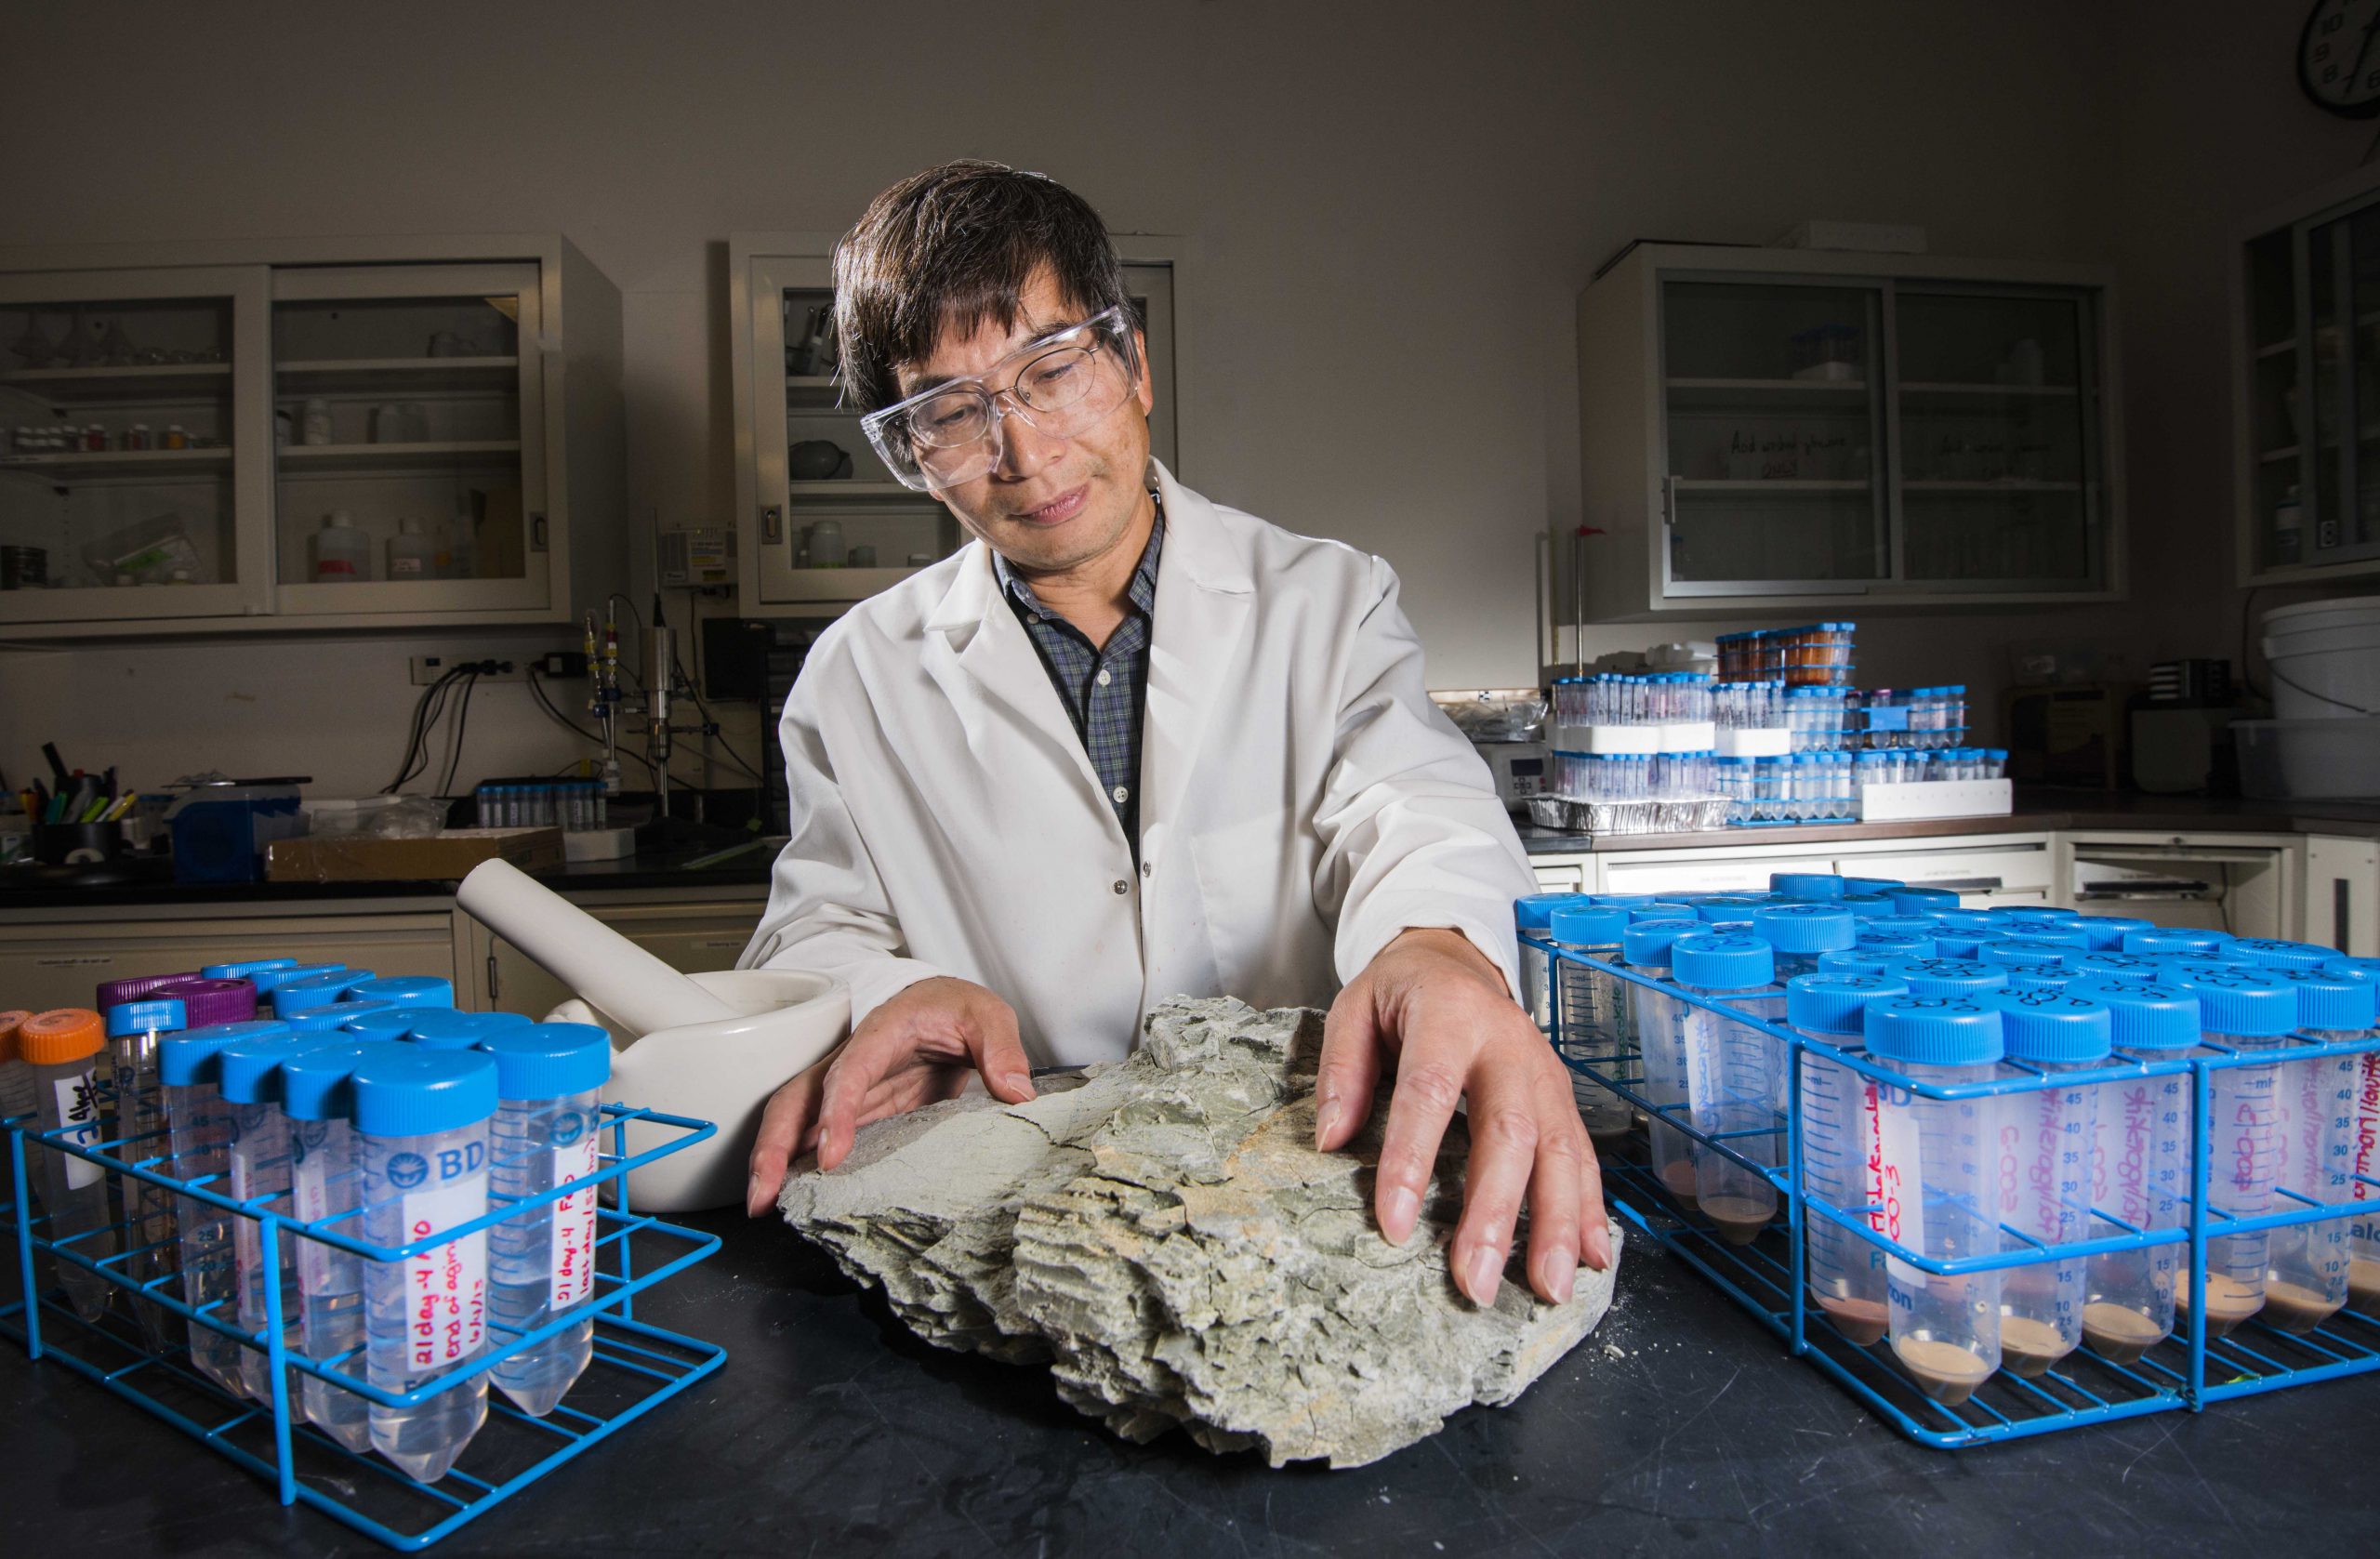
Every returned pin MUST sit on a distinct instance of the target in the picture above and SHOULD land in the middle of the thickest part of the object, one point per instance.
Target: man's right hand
(914, 1050)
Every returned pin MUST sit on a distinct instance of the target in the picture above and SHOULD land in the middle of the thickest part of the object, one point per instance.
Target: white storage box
(1898, 804)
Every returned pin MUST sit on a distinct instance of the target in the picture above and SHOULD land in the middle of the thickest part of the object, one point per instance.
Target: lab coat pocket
(1252, 879)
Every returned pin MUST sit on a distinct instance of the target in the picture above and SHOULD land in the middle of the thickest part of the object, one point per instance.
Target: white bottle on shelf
(412, 555)
(343, 553)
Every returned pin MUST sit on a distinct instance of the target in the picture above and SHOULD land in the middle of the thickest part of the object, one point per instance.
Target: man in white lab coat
(1130, 744)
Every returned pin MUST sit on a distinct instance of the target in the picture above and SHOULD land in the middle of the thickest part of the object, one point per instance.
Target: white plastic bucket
(2325, 658)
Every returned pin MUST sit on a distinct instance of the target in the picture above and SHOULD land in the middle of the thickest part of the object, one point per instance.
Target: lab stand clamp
(135, 1348)
(1761, 1255)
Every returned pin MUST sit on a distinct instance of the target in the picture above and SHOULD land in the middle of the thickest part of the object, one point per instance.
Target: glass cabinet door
(1773, 480)
(2000, 466)
(2338, 456)
(408, 410)
(131, 487)
(834, 525)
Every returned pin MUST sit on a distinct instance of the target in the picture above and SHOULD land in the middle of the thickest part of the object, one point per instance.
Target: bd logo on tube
(407, 1170)
(568, 1126)
(454, 1161)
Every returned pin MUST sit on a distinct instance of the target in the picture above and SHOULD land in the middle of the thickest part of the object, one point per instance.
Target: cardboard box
(443, 857)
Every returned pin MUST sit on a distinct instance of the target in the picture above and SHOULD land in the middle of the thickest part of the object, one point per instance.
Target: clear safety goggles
(1060, 385)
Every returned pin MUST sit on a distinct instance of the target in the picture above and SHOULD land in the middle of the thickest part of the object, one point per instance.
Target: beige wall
(1393, 206)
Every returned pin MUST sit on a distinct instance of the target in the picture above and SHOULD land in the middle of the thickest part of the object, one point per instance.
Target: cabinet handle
(773, 525)
(537, 533)
(491, 978)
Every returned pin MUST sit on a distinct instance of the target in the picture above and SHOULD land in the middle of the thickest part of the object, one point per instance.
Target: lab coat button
(1144, 868)
(1123, 885)
(1122, 794)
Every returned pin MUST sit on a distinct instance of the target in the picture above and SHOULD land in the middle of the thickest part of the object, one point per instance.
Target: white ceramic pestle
(613, 975)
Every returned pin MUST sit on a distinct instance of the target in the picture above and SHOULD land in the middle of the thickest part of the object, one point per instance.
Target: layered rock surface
(1162, 1233)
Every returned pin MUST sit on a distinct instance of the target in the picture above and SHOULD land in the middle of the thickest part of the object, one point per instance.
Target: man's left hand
(1433, 1008)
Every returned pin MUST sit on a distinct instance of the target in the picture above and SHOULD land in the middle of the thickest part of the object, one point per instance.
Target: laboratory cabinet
(2305, 351)
(1984, 870)
(326, 434)
(821, 522)
(1805, 430)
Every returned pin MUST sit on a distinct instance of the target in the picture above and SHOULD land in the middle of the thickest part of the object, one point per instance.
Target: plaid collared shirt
(1103, 691)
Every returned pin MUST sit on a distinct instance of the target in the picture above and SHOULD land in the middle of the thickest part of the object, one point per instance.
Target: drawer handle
(1961, 884)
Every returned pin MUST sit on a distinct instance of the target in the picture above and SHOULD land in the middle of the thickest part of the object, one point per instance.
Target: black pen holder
(61, 844)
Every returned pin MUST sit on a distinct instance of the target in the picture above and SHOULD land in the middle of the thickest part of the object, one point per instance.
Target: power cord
(462, 724)
(694, 691)
(426, 712)
(537, 692)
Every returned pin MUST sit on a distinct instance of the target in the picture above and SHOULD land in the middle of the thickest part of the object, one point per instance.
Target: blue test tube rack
(637, 1367)
(2189, 1371)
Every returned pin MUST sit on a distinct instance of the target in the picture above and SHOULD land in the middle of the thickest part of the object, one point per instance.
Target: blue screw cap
(2146, 1014)
(1885, 946)
(383, 1021)
(303, 995)
(2061, 934)
(2055, 1025)
(1531, 914)
(251, 1067)
(315, 1083)
(2332, 1000)
(1978, 923)
(1805, 884)
(2367, 968)
(2107, 931)
(333, 1017)
(404, 1091)
(1723, 962)
(2122, 966)
(2274, 953)
(1868, 906)
(2031, 912)
(158, 1016)
(403, 990)
(1647, 942)
(2020, 953)
(549, 1061)
(1871, 885)
(1588, 925)
(278, 972)
(1806, 928)
(1948, 976)
(2168, 940)
(1923, 900)
(191, 1057)
(1855, 960)
(439, 1030)
(1935, 1030)
(1835, 1004)
(2238, 999)
(249, 971)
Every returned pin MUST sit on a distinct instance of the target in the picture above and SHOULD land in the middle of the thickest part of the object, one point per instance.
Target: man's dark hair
(954, 247)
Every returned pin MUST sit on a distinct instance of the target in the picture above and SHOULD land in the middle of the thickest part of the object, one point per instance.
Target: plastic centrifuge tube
(421, 1141)
(2139, 1178)
(135, 1031)
(542, 1261)
(1661, 1045)
(1802, 932)
(1839, 1149)
(2306, 1274)
(1948, 977)
(2247, 1011)
(1945, 1330)
(258, 1166)
(2364, 1164)
(1736, 1077)
(318, 1097)
(1591, 1013)
(189, 1070)
(63, 1048)
(1533, 915)
(2043, 1171)
(16, 1075)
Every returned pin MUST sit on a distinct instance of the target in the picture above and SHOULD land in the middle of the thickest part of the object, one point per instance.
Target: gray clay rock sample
(1162, 1233)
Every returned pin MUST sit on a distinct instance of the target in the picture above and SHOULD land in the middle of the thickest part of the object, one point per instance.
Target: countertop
(1678, 1427)
(2038, 811)
(694, 867)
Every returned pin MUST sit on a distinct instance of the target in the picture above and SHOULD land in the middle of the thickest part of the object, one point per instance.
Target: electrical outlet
(427, 670)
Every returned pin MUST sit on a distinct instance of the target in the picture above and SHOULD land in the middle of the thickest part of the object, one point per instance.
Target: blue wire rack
(2186, 1372)
(636, 1366)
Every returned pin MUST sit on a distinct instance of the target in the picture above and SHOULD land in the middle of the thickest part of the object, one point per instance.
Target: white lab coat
(1301, 800)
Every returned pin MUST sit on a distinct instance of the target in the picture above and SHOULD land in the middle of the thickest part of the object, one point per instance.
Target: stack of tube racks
(137, 1349)
(2189, 1369)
